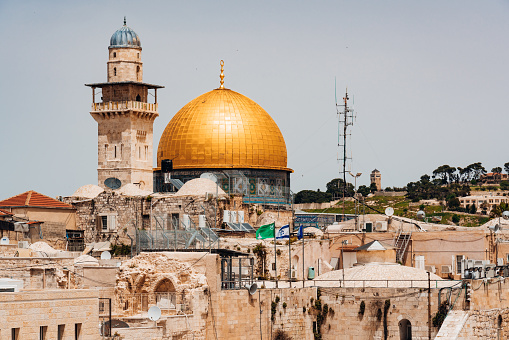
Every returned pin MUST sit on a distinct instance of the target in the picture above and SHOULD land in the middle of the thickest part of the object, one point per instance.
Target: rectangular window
(77, 331)
(146, 152)
(459, 258)
(43, 330)
(15, 334)
(60, 335)
(273, 266)
(104, 223)
(115, 152)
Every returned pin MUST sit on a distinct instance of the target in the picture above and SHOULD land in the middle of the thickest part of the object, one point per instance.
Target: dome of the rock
(223, 129)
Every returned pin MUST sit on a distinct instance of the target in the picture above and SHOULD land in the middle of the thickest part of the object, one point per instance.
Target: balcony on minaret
(118, 98)
(125, 106)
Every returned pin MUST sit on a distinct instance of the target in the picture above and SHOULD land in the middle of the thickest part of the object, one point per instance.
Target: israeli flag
(283, 232)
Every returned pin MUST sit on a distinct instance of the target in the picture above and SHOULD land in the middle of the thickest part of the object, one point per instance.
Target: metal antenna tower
(345, 119)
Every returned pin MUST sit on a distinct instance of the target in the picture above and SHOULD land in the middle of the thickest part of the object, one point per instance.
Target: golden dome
(223, 129)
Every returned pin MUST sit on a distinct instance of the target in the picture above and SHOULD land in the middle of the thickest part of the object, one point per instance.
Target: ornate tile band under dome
(230, 135)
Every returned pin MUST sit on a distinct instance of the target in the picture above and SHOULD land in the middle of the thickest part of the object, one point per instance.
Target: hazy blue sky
(430, 80)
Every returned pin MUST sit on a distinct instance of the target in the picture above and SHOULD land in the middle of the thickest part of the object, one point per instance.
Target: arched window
(114, 71)
(405, 330)
(114, 54)
(138, 98)
(138, 56)
(137, 73)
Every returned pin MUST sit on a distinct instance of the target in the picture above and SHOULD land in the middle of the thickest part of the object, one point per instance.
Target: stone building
(124, 116)
(376, 178)
(45, 216)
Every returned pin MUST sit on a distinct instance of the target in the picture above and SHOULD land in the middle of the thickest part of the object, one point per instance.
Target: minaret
(125, 117)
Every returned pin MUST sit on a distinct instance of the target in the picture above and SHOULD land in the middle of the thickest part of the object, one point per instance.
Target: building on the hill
(482, 203)
(376, 178)
(225, 133)
(124, 116)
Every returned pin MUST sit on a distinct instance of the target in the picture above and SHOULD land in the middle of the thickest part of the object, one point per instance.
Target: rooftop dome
(125, 37)
(223, 129)
(200, 186)
(391, 275)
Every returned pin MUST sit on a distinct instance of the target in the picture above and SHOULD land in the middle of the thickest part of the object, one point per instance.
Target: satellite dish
(252, 288)
(154, 313)
(105, 255)
(495, 228)
(421, 214)
(113, 183)
(4, 240)
(209, 175)
(505, 215)
(389, 211)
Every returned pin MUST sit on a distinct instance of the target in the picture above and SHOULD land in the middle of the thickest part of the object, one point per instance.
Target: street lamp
(354, 192)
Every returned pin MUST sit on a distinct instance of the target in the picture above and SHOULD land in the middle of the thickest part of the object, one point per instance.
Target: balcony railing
(124, 105)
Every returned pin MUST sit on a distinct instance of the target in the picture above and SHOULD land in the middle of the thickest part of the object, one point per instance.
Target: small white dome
(88, 191)
(381, 275)
(200, 186)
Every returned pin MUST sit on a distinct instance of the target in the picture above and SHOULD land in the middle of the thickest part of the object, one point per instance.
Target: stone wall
(237, 315)
(37, 273)
(28, 311)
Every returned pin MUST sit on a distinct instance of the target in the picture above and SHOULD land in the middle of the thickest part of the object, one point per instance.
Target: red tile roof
(4, 213)
(33, 199)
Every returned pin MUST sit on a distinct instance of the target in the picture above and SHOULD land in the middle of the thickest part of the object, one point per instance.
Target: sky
(428, 81)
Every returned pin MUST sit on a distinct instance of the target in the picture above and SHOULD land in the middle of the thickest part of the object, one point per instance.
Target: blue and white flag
(283, 232)
(300, 233)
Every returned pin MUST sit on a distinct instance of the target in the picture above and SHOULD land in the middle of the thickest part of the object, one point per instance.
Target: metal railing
(381, 283)
(132, 304)
(124, 105)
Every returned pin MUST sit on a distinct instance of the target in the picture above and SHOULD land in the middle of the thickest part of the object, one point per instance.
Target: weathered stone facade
(29, 313)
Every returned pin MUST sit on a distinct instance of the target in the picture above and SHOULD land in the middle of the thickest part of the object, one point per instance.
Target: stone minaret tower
(125, 117)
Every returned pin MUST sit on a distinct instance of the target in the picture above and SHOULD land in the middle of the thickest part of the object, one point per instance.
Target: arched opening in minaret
(114, 71)
(138, 73)
(114, 54)
(138, 98)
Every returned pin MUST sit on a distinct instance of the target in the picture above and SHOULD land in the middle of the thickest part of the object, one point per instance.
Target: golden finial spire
(222, 75)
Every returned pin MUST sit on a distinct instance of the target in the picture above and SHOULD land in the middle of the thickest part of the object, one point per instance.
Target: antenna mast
(345, 119)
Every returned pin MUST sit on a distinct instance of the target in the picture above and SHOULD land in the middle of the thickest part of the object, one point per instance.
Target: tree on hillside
(373, 188)
(310, 196)
(506, 167)
(335, 187)
(477, 170)
(363, 190)
(497, 170)
(445, 173)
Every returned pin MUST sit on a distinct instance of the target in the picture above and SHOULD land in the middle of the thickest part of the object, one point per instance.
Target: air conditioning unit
(381, 225)
(23, 244)
(446, 270)
(431, 269)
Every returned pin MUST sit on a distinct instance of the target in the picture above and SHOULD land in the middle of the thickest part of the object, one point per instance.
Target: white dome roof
(198, 187)
(406, 276)
(88, 191)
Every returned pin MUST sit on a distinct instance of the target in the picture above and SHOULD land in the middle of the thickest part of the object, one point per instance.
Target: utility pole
(429, 307)
(345, 119)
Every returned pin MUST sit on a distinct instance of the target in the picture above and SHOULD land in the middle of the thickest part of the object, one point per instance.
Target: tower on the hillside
(376, 178)
(124, 115)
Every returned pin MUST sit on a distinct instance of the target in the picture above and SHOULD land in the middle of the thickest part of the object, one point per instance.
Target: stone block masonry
(67, 311)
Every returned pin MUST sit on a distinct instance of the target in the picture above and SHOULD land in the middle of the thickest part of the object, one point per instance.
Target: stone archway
(164, 293)
(405, 329)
